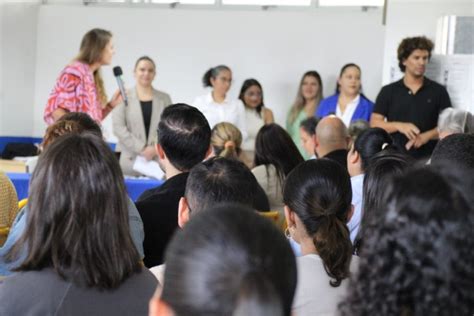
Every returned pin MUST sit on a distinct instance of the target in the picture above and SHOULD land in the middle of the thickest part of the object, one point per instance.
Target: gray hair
(455, 121)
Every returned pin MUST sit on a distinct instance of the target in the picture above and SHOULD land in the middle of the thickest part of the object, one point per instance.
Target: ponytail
(257, 296)
(230, 150)
(212, 73)
(206, 79)
(319, 193)
(226, 140)
(334, 247)
(370, 142)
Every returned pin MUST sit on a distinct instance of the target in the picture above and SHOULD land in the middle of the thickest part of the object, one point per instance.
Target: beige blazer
(129, 127)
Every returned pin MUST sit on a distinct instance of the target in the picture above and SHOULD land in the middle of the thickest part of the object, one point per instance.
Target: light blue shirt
(295, 247)
(17, 228)
(357, 188)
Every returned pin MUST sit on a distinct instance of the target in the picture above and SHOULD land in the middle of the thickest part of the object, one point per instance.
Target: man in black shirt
(409, 108)
(183, 141)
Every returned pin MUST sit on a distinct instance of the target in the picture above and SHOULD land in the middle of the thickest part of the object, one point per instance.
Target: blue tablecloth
(135, 187)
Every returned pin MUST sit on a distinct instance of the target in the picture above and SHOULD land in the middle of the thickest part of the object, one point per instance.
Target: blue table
(135, 187)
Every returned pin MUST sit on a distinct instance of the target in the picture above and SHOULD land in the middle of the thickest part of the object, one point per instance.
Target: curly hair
(409, 44)
(418, 260)
(70, 123)
(58, 129)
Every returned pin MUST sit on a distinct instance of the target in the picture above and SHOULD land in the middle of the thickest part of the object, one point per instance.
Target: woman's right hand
(149, 153)
(116, 99)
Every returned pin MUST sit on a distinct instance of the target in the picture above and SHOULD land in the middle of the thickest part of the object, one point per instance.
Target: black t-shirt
(398, 103)
(146, 111)
(158, 209)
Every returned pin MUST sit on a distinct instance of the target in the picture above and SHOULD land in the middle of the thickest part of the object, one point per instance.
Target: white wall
(407, 19)
(274, 47)
(17, 68)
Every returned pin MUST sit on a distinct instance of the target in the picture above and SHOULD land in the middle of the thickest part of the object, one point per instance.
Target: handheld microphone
(118, 75)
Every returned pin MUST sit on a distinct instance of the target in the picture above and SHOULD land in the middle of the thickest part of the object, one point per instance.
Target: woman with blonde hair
(310, 93)
(226, 140)
(80, 87)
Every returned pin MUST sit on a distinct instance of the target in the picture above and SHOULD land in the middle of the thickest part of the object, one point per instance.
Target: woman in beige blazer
(135, 124)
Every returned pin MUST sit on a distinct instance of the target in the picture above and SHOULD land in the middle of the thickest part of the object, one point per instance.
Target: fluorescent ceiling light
(268, 2)
(351, 3)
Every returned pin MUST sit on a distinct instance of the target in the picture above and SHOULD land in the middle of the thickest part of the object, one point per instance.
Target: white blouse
(254, 123)
(231, 111)
(346, 117)
(314, 295)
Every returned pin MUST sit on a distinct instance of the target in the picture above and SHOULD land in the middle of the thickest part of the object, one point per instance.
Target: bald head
(331, 134)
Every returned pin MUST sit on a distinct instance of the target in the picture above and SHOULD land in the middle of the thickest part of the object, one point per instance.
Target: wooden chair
(5, 230)
(275, 217)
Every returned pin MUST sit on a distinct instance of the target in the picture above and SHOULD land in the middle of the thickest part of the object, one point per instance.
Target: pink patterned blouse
(74, 91)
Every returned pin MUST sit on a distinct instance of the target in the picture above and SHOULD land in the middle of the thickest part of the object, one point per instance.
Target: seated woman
(80, 257)
(308, 136)
(455, 121)
(69, 123)
(367, 144)
(308, 97)
(216, 105)
(252, 273)
(135, 124)
(418, 258)
(348, 103)
(383, 167)
(275, 156)
(256, 115)
(226, 140)
(317, 206)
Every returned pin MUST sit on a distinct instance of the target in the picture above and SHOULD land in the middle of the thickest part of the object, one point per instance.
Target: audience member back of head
(456, 149)
(183, 141)
(244, 267)
(221, 180)
(378, 175)
(317, 199)
(332, 139)
(81, 258)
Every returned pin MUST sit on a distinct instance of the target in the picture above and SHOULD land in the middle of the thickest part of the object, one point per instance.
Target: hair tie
(384, 145)
(229, 144)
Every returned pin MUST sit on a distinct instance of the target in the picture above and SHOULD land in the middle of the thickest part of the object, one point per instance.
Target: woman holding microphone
(79, 87)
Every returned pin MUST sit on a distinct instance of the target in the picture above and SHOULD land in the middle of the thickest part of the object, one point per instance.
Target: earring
(287, 233)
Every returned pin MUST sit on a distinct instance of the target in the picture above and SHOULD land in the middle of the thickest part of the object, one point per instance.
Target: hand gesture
(419, 141)
(408, 129)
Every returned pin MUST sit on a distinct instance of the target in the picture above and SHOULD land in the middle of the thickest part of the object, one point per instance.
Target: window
(268, 2)
(351, 3)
